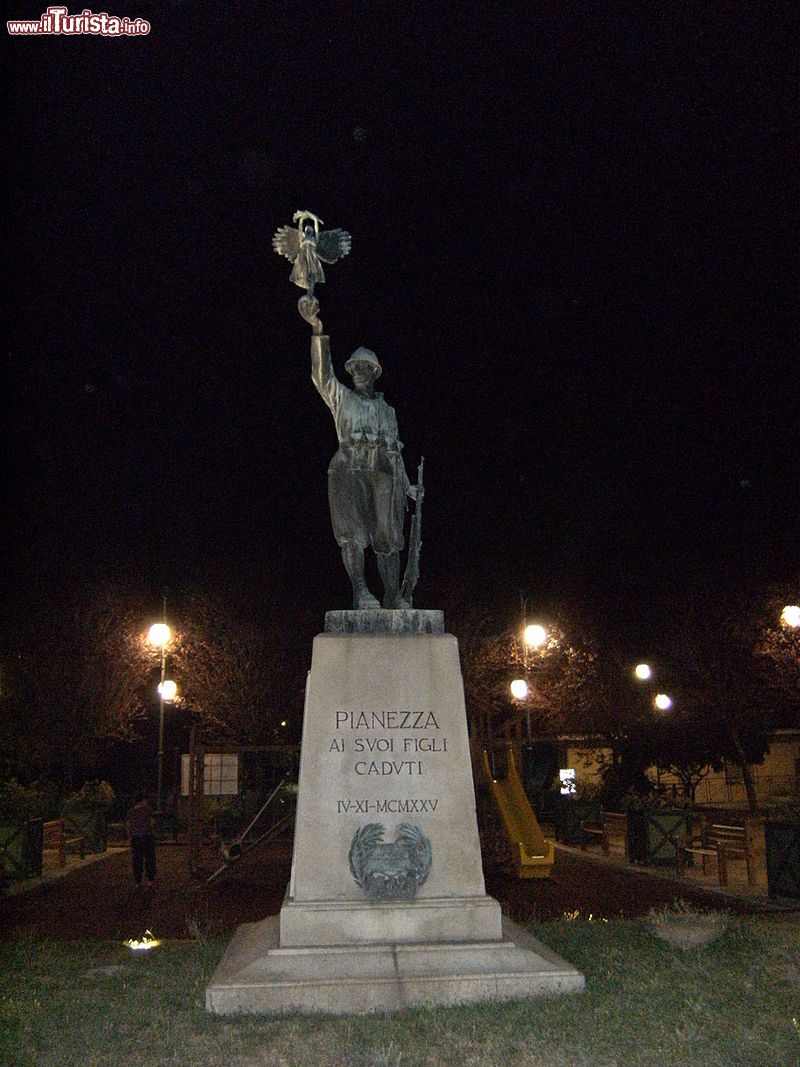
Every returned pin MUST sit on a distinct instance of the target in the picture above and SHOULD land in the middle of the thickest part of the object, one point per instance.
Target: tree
(778, 645)
(491, 657)
(233, 671)
(724, 697)
(679, 747)
(75, 678)
(578, 685)
(80, 673)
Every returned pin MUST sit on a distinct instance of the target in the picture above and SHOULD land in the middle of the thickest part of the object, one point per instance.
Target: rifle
(411, 577)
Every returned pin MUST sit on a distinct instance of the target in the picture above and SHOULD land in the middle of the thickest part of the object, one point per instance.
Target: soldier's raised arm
(327, 384)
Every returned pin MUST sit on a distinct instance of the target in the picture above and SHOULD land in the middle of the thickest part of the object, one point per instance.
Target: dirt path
(99, 901)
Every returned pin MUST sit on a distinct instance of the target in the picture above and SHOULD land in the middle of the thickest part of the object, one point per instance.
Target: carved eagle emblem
(394, 870)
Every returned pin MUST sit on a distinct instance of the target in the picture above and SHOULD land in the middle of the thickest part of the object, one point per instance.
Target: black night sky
(574, 250)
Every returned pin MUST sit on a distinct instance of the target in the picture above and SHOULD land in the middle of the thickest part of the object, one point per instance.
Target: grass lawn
(730, 1004)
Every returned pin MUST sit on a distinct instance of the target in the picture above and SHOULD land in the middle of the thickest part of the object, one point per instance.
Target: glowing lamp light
(790, 616)
(159, 634)
(643, 671)
(283, 722)
(168, 689)
(535, 635)
(662, 702)
(519, 689)
(144, 943)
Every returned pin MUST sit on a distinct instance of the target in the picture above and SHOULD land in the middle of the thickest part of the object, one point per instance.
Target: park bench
(54, 837)
(722, 843)
(611, 822)
(615, 824)
(596, 831)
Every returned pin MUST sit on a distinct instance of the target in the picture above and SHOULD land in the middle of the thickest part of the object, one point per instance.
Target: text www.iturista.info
(57, 21)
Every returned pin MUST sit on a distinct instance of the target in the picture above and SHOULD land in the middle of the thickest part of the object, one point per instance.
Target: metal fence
(768, 787)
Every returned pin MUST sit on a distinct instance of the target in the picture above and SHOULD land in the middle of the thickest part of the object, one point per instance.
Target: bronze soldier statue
(367, 480)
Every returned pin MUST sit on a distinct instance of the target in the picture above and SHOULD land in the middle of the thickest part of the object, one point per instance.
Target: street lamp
(534, 635)
(790, 616)
(662, 702)
(519, 689)
(159, 636)
(643, 671)
(167, 690)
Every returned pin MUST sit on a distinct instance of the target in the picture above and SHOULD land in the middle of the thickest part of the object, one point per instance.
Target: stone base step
(257, 976)
(322, 922)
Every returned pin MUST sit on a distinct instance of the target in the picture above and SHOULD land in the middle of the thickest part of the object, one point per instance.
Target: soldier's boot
(353, 557)
(389, 569)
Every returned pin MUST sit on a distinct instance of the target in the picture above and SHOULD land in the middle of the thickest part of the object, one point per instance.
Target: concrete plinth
(384, 749)
(258, 975)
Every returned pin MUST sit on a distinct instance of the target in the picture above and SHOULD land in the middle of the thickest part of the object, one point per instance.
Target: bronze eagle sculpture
(394, 870)
(307, 247)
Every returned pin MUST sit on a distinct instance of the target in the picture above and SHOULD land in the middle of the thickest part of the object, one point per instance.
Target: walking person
(139, 822)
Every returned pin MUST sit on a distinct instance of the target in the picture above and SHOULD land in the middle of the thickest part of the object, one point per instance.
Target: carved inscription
(392, 746)
(392, 806)
(386, 720)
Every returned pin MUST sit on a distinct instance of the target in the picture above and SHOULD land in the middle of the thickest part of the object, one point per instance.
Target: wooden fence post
(756, 852)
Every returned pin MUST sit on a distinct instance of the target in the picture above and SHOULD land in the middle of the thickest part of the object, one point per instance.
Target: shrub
(685, 926)
(784, 809)
(93, 794)
(655, 799)
(18, 803)
(680, 911)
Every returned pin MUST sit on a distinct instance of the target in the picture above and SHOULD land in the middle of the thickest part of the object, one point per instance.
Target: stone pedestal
(384, 743)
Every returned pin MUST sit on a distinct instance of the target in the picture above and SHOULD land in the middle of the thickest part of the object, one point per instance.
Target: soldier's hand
(308, 306)
(416, 492)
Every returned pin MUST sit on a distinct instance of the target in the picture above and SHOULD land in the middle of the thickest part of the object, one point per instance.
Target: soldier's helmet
(364, 355)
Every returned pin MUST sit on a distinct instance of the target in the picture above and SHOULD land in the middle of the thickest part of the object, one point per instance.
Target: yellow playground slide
(533, 854)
